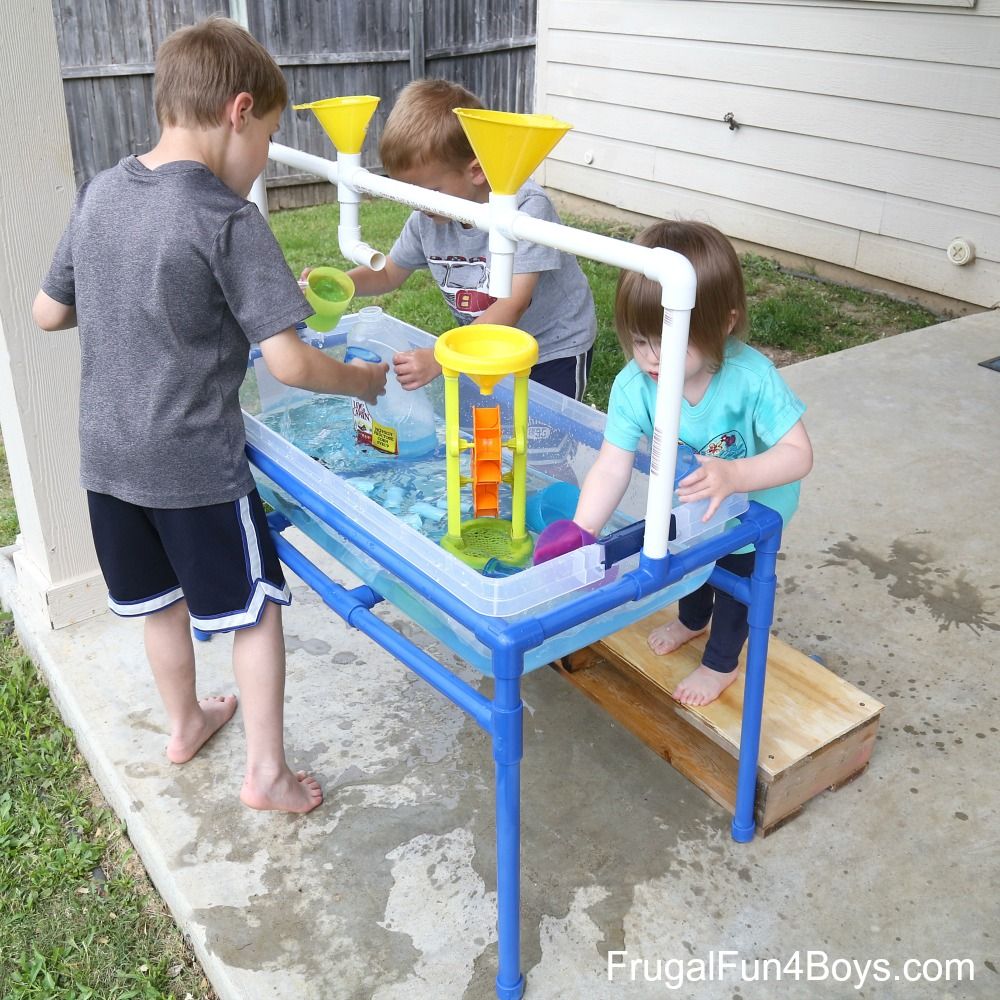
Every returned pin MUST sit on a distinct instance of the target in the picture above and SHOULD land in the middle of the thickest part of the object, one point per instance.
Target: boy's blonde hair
(422, 127)
(198, 69)
(720, 307)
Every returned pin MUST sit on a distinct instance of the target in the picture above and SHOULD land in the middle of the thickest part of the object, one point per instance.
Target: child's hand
(304, 276)
(376, 379)
(416, 368)
(714, 479)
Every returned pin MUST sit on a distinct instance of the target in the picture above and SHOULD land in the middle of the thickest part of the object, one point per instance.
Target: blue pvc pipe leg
(508, 726)
(202, 636)
(760, 613)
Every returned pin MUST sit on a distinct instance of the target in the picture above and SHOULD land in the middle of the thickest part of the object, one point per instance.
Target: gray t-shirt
(173, 276)
(561, 314)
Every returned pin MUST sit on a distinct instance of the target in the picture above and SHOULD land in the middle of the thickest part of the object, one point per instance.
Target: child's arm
(295, 363)
(52, 315)
(369, 282)
(787, 461)
(418, 367)
(604, 487)
(508, 312)
(602, 490)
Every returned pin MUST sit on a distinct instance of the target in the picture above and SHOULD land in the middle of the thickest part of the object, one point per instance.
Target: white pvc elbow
(675, 273)
(355, 249)
(349, 231)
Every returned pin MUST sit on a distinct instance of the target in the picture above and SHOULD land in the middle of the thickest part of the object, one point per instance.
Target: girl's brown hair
(720, 307)
(198, 69)
(422, 127)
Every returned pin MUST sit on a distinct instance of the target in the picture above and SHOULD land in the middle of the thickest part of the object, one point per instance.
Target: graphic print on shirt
(464, 281)
(727, 445)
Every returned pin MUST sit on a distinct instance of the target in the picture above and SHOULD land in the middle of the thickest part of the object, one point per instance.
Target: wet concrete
(889, 573)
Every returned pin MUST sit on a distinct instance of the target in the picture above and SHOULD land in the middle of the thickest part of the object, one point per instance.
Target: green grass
(812, 318)
(8, 515)
(78, 917)
(789, 314)
(79, 920)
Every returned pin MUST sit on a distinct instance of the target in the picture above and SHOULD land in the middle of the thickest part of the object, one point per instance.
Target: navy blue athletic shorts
(219, 558)
(566, 375)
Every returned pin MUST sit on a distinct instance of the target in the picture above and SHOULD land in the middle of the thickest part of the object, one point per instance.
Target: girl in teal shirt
(737, 413)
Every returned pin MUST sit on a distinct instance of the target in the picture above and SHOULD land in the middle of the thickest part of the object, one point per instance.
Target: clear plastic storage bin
(564, 437)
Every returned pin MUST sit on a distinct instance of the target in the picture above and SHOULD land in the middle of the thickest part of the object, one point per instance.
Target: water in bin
(402, 422)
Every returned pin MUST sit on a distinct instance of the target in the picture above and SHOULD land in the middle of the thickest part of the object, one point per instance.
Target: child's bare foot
(702, 686)
(216, 711)
(671, 636)
(288, 792)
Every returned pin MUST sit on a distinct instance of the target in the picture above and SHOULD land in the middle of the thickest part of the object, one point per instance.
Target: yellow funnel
(344, 119)
(510, 146)
(486, 352)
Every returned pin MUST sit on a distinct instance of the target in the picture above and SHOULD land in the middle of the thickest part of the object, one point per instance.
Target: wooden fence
(326, 49)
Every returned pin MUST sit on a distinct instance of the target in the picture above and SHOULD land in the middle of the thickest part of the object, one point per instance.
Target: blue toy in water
(554, 503)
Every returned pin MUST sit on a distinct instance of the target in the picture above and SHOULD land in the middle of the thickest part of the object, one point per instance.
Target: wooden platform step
(818, 730)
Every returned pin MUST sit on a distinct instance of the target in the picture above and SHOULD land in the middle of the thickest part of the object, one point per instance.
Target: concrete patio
(388, 892)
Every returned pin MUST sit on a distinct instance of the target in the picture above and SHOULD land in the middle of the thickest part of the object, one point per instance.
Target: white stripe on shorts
(581, 376)
(137, 608)
(262, 589)
(250, 536)
(249, 615)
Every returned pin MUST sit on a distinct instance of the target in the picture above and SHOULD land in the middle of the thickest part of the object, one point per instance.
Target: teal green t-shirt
(746, 409)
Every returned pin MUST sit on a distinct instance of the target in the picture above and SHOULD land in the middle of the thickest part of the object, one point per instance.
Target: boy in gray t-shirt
(170, 275)
(424, 144)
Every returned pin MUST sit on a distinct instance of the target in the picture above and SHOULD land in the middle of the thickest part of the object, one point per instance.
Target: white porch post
(39, 372)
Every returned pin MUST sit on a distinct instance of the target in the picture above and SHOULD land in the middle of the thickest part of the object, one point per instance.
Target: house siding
(869, 134)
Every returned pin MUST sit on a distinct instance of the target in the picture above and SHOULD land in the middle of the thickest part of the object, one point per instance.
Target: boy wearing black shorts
(170, 274)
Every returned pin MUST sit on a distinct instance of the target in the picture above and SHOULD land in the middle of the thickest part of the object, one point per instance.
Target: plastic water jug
(402, 422)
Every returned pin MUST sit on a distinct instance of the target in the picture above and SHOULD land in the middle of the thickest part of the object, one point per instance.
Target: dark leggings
(728, 616)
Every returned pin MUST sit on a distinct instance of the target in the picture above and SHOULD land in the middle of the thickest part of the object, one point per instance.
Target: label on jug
(370, 433)
(384, 438)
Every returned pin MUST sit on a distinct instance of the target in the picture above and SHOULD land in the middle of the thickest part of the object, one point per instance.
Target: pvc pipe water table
(383, 517)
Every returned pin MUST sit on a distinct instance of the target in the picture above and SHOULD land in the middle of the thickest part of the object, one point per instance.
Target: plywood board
(818, 730)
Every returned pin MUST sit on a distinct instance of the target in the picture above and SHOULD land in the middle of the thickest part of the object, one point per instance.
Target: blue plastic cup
(686, 463)
(554, 503)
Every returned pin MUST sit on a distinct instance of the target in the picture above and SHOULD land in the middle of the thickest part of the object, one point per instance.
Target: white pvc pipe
(306, 162)
(671, 270)
(258, 195)
(666, 430)
(503, 208)
(258, 192)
